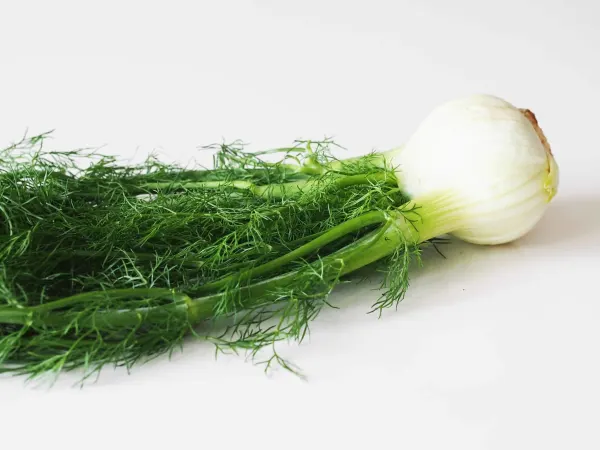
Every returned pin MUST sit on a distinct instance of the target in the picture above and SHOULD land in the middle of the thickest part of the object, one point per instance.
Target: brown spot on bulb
(532, 119)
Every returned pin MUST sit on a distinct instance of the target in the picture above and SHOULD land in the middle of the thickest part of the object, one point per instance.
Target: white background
(493, 348)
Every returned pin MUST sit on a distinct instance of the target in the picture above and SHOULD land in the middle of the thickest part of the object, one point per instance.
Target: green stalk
(370, 248)
(352, 225)
(113, 294)
(272, 190)
(15, 316)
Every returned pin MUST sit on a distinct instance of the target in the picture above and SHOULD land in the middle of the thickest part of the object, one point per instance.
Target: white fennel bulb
(479, 168)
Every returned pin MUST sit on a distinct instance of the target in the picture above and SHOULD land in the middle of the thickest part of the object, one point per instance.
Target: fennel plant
(104, 263)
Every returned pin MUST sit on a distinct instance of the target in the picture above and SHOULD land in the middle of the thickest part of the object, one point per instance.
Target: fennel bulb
(480, 168)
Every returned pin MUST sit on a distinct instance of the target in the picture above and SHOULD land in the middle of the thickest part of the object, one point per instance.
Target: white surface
(493, 348)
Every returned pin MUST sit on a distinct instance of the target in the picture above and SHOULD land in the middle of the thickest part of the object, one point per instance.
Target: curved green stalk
(365, 220)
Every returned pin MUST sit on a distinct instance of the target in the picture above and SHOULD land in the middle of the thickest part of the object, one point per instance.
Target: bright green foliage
(103, 263)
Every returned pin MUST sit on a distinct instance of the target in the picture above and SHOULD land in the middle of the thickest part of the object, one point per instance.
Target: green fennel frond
(105, 263)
